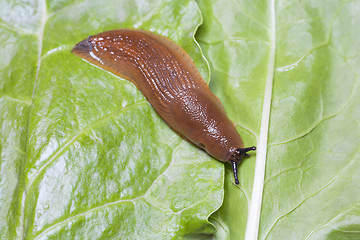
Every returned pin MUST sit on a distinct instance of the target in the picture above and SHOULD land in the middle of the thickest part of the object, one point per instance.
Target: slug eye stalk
(234, 165)
(237, 156)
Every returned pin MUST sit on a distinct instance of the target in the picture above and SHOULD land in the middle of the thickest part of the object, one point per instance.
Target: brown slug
(169, 80)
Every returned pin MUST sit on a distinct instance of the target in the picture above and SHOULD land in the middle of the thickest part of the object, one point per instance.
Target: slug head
(237, 157)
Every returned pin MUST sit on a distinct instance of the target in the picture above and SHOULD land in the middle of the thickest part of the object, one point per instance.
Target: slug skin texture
(169, 80)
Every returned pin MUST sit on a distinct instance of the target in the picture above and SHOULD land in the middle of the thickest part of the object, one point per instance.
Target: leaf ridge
(232, 38)
(56, 50)
(342, 109)
(325, 43)
(252, 226)
(112, 203)
(197, 203)
(64, 7)
(85, 213)
(84, 130)
(220, 221)
(244, 192)
(40, 36)
(296, 63)
(12, 146)
(312, 195)
(263, 25)
(168, 167)
(17, 100)
(19, 31)
(247, 129)
(325, 225)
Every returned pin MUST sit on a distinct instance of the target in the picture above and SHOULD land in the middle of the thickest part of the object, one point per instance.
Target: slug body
(168, 78)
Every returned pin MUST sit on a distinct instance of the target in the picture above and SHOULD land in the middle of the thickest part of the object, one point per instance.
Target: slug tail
(83, 47)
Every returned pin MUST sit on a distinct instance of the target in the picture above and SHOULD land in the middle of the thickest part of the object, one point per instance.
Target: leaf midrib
(252, 226)
(40, 36)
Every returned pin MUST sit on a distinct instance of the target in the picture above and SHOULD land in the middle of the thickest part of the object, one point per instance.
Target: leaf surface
(84, 155)
(298, 61)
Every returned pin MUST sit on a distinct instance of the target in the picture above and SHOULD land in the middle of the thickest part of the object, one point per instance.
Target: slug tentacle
(237, 157)
(240, 153)
(234, 165)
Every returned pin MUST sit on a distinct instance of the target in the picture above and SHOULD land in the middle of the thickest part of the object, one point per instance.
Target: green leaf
(83, 154)
(288, 73)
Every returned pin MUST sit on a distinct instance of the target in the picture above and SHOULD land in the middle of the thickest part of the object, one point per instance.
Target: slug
(168, 78)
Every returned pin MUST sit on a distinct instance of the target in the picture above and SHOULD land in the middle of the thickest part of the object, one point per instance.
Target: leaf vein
(342, 109)
(51, 227)
(312, 195)
(325, 43)
(84, 130)
(19, 31)
(326, 224)
(40, 36)
(27, 102)
(253, 222)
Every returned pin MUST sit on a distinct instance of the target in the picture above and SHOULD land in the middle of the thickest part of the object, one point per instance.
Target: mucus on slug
(168, 78)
